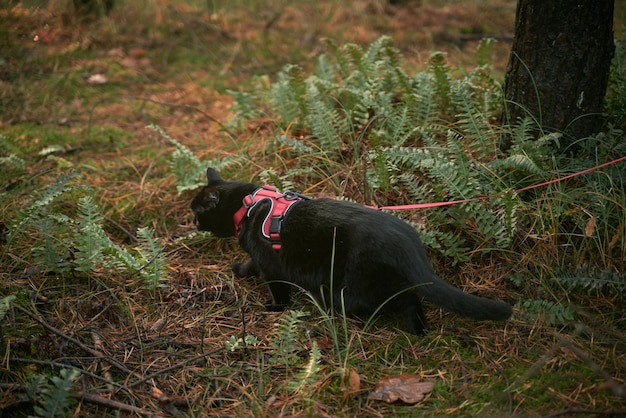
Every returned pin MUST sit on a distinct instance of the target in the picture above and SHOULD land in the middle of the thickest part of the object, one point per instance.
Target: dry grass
(163, 352)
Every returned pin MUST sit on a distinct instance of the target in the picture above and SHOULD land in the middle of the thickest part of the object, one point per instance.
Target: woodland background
(112, 304)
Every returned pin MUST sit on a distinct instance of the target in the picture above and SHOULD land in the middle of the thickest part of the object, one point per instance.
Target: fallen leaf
(97, 79)
(615, 239)
(407, 388)
(158, 394)
(591, 227)
(353, 385)
(355, 381)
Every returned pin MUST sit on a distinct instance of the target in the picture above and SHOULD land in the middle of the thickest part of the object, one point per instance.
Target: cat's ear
(212, 176)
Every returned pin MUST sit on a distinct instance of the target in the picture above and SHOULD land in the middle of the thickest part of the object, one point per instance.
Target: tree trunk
(559, 66)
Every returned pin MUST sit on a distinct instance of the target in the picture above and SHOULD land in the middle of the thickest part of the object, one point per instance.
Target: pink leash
(454, 202)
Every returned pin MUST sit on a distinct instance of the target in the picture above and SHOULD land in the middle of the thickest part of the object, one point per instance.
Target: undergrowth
(361, 127)
(399, 138)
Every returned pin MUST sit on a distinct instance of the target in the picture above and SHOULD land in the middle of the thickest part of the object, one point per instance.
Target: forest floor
(77, 95)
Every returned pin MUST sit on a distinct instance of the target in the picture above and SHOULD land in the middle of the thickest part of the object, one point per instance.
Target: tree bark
(559, 66)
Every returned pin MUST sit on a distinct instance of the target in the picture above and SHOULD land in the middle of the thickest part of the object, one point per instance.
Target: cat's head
(216, 203)
(205, 206)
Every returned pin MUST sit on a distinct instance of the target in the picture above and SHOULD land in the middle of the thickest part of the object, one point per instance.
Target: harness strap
(280, 205)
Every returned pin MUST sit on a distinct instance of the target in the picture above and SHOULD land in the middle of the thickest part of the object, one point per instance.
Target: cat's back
(344, 215)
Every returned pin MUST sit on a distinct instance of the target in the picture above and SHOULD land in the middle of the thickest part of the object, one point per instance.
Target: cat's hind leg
(281, 294)
(411, 310)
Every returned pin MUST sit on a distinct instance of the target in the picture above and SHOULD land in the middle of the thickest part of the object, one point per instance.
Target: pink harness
(280, 204)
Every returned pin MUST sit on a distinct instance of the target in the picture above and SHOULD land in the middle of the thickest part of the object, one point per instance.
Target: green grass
(173, 65)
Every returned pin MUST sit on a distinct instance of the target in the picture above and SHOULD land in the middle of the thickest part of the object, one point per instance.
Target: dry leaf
(158, 394)
(407, 388)
(355, 381)
(353, 385)
(591, 227)
(615, 239)
(97, 79)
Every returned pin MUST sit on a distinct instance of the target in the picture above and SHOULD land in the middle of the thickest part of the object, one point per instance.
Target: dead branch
(84, 347)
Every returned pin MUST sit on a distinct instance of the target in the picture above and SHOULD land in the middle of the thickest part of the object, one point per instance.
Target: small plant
(287, 340)
(234, 343)
(53, 396)
(287, 345)
(79, 243)
(152, 259)
(307, 376)
(553, 314)
(589, 279)
(189, 169)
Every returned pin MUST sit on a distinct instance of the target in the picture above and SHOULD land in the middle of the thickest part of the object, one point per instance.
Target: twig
(585, 412)
(174, 367)
(88, 397)
(149, 100)
(69, 366)
(616, 388)
(110, 403)
(89, 350)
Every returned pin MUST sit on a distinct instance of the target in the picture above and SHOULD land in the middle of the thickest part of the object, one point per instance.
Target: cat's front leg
(246, 269)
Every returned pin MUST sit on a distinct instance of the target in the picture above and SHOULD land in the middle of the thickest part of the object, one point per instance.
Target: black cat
(373, 257)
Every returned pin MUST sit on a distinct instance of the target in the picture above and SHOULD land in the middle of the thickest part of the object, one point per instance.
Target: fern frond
(154, 271)
(473, 122)
(286, 339)
(326, 123)
(5, 305)
(447, 243)
(593, 281)
(119, 257)
(244, 108)
(13, 162)
(90, 238)
(288, 95)
(187, 168)
(50, 252)
(552, 313)
(40, 207)
(308, 374)
(439, 69)
(55, 398)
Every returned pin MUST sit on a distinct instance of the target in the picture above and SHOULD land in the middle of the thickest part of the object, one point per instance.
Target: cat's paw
(245, 270)
(240, 270)
(273, 307)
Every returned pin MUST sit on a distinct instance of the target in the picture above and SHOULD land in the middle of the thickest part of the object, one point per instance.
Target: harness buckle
(275, 224)
(295, 196)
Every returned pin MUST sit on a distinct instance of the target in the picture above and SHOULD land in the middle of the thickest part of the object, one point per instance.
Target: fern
(442, 82)
(308, 374)
(154, 271)
(13, 162)
(51, 250)
(90, 237)
(5, 305)
(286, 341)
(244, 108)
(41, 206)
(473, 123)
(553, 314)
(327, 124)
(287, 96)
(187, 168)
(120, 258)
(54, 397)
(588, 278)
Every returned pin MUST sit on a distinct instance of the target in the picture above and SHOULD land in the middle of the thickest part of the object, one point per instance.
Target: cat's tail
(446, 296)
